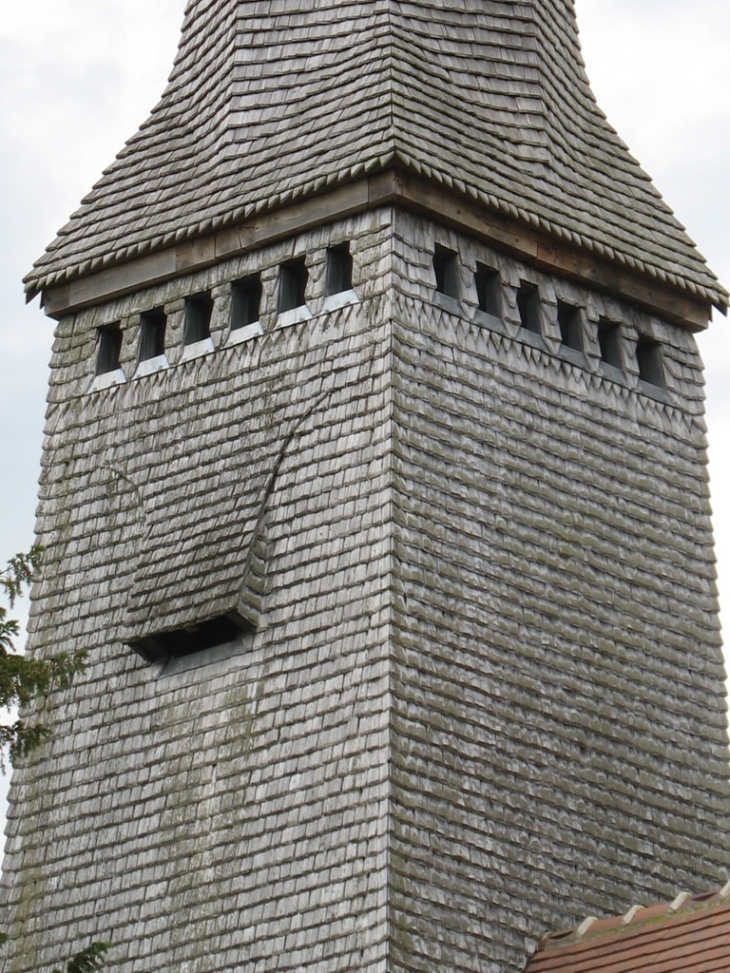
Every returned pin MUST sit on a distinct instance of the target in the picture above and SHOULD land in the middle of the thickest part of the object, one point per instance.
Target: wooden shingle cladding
(554, 616)
(488, 101)
(232, 815)
(479, 685)
(486, 654)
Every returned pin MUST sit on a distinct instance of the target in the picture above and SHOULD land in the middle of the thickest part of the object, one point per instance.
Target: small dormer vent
(163, 646)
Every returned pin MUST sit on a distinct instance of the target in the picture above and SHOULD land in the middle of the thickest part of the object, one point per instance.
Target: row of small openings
(570, 317)
(245, 309)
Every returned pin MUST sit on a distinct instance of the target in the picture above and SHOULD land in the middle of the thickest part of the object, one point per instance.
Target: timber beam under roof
(391, 187)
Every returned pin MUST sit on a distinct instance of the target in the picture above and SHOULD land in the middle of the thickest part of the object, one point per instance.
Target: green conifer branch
(23, 680)
(88, 960)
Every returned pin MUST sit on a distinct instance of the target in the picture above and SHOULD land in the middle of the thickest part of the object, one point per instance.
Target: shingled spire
(488, 99)
(375, 485)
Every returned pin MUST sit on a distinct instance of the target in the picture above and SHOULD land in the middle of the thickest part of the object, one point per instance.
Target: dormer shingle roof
(270, 103)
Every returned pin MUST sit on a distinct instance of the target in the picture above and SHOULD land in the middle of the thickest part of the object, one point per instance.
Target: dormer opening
(109, 346)
(198, 312)
(489, 290)
(193, 638)
(152, 334)
(649, 359)
(446, 270)
(528, 305)
(293, 285)
(571, 326)
(609, 340)
(245, 302)
(339, 270)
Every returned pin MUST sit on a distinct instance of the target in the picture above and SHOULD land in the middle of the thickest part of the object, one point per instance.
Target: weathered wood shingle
(488, 98)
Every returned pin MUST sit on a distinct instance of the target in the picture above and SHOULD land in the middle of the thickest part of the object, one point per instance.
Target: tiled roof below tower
(689, 935)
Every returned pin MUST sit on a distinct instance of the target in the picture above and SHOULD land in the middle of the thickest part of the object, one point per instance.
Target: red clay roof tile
(693, 938)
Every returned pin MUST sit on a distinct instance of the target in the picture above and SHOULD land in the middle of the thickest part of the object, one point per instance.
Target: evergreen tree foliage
(22, 679)
(87, 961)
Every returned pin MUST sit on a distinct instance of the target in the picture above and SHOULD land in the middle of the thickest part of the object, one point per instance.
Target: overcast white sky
(77, 77)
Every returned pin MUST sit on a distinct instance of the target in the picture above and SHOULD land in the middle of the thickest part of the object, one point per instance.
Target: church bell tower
(375, 485)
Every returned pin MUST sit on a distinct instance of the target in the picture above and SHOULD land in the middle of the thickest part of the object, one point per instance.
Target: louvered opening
(649, 359)
(292, 285)
(609, 340)
(339, 270)
(571, 326)
(489, 290)
(528, 304)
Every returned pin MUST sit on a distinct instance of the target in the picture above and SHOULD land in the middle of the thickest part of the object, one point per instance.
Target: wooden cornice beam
(391, 187)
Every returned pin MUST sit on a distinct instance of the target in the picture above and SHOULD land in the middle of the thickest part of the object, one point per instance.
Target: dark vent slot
(152, 334)
(649, 358)
(194, 638)
(109, 343)
(489, 291)
(609, 340)
(339, 270)
(292, 285)
(571, 327)
(245, 302)
(198, 312)
(446, 269)
(528, 304)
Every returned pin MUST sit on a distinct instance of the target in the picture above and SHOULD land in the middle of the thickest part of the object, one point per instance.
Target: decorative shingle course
(489, 99)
